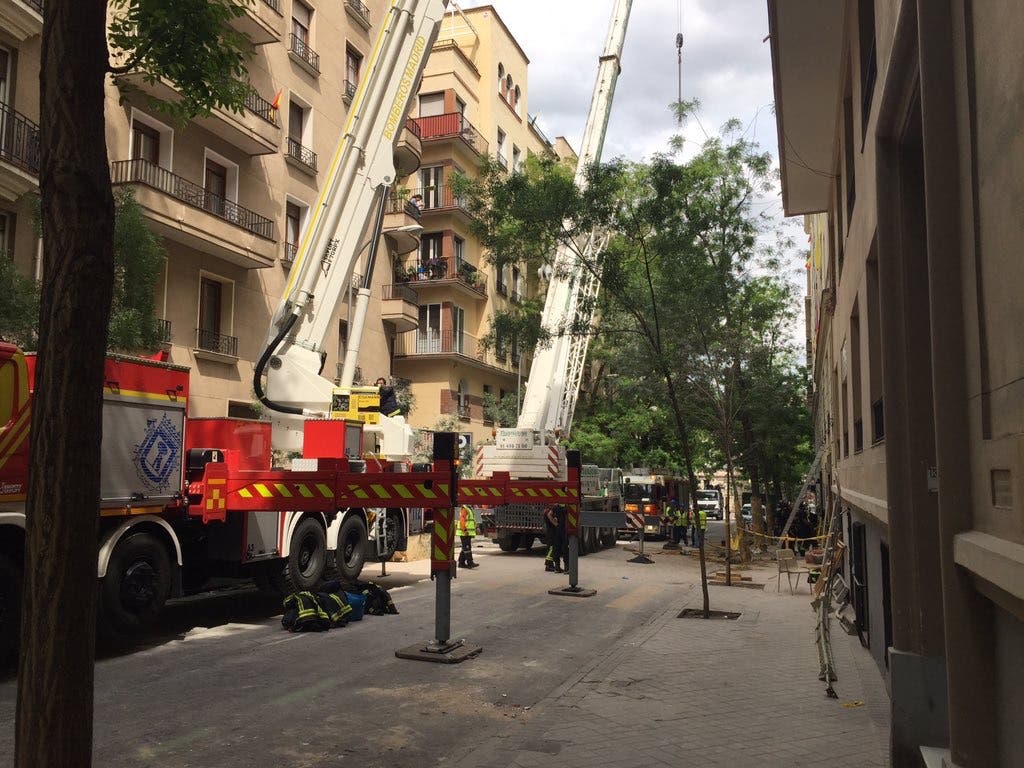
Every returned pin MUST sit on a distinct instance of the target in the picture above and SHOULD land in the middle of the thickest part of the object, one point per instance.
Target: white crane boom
(557, 367)
(361, 170)
(532, 450)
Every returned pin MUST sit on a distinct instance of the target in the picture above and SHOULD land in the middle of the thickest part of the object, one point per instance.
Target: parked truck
(185, 500)
(517, 526)
(646, 496)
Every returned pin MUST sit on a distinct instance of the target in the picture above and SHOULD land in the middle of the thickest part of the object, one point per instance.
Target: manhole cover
(697, 613)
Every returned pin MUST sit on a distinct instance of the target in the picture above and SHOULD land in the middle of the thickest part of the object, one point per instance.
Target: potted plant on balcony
(470, 275)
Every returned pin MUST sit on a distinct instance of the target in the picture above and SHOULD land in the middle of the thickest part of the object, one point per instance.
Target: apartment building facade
(228, 194)
(473, 103)
(899, 138)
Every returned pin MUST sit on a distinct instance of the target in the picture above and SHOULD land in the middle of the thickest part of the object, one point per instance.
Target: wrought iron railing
(163, 328)
(350, 91)
(442, 268)
(211, 341)
(408, 207)
(359, 9)
(19, 140)
(275, 4)
(261, 108)
(301, 49)
(290, 249)
(440, 198)
(463, 411)
(400, 291)
(516, 297)
(140, 171)
(413, 127)
(302, 154)
(451, 126)
(36, 5)
(503, 161)
(501, 287)
(427, 341)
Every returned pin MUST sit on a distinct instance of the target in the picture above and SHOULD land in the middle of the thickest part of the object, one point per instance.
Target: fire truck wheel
(392, 534)
(307, 556)
(10, 608)
(351, 552)
(525, 541)
(137, 583)
(608, 538)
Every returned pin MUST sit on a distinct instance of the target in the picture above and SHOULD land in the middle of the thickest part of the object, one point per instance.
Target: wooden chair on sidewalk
(789, 565)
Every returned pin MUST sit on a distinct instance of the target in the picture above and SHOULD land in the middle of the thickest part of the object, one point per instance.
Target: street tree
(191, 43)
(668, 221)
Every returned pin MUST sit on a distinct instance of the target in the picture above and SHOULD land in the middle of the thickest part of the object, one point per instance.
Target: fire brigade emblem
(158, 454)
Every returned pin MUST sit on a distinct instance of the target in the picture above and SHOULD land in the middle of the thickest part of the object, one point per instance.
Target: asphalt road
(219, 683)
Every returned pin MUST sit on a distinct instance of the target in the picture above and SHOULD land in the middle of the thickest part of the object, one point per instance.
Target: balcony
(255, 130)
(358, 12)
(262, 21)
(349, 91)
(303, 55)
(401, 225)
(408, 149)
(184, 212)
(22, 19)
(428, 343)
(19, 154)
(501, 288)
(452, 126)
(440, 273)
(503, 162)
(441, 199)
(463, 411)
(288, 258)
(516, 297)
(164, 330)
(300, 157)
(400, 306)
(211, 345)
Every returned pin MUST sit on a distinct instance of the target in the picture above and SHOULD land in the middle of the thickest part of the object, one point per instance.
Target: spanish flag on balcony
(276, 103)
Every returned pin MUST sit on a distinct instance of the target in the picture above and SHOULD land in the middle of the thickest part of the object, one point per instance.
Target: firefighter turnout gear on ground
(466, 529)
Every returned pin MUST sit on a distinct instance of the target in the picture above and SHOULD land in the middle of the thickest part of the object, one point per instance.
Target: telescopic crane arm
(551, 391)
(356, 183)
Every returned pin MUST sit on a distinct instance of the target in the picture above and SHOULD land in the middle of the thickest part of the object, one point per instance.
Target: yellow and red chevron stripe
(442, 541)
(13, 437)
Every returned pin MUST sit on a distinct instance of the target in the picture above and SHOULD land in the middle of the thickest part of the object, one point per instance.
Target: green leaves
(191, 43)
(19, 306)
(138, 262)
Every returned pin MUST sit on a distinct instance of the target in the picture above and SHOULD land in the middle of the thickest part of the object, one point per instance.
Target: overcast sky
(725, 66)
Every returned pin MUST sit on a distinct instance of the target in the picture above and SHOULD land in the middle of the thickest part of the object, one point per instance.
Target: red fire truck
(184, 500)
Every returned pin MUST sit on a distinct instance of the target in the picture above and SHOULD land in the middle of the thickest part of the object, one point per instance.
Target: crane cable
(679, 59)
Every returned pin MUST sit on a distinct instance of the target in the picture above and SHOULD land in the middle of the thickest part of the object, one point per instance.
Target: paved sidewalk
(685, 692)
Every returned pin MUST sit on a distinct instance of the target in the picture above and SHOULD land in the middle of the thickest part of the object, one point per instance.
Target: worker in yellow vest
(466, 530)
(702, 526)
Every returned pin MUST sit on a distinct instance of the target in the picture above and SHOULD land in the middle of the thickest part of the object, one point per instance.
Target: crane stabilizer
(361, 170)
(557, 369)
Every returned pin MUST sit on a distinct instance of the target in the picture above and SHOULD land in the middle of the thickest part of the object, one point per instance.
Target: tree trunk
(777, 492)
(55, 673)
(691, 476)
(728, 523)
